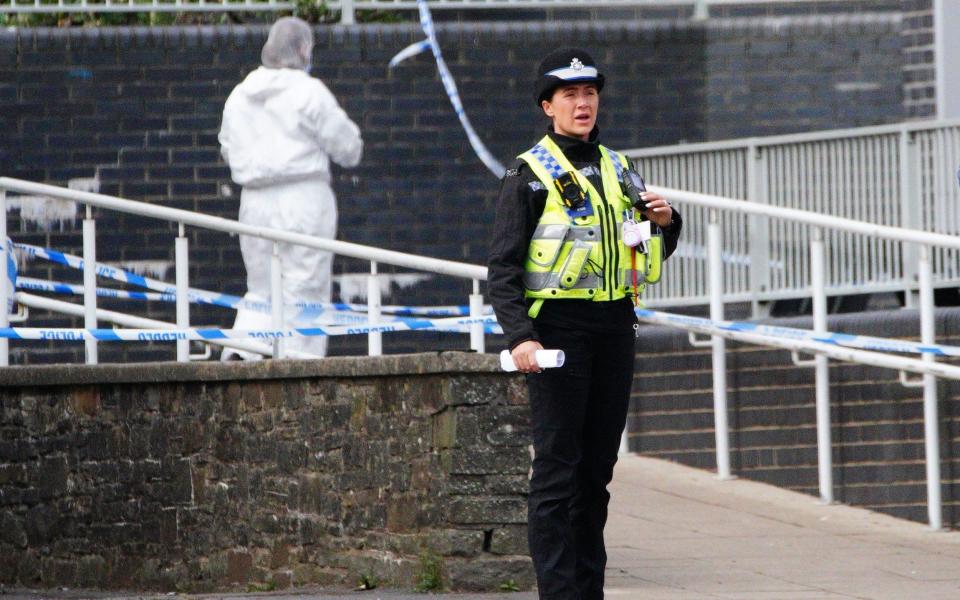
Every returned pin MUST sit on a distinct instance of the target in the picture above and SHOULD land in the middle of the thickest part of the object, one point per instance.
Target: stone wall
(140, 108)
(219, 476)
(211, 477)
(877, 424)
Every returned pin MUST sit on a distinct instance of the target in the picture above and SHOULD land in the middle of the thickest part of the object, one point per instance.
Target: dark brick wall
(878, 444)
(756, 86)
(214, 477)
(140, 108)
(919, 69)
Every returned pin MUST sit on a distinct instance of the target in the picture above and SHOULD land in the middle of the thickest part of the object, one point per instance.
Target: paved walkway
(679, 534)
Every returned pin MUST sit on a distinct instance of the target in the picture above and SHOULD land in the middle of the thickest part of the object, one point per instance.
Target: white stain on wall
(45, 212)
(156, 269)
(353, 286)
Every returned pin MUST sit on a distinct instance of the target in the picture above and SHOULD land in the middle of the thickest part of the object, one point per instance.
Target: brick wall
(878, 443)
(919, 69)
(215, 477)
(753, 85)
(140, 108)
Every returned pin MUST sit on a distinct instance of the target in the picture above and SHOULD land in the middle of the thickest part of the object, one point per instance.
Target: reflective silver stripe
(552, 232)
(546, 280)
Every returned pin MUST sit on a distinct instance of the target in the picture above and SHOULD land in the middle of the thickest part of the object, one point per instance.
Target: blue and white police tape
(304, 316)
(11, 279)
(302, 319)
(449, 85)
(103, 270)
(199, 296)
(862, 342)
(57, 287)
(207, 334)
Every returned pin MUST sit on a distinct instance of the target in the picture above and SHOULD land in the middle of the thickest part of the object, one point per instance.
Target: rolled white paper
(547, 359)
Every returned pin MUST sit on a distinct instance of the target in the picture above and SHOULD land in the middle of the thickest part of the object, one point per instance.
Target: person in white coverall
(281, 127)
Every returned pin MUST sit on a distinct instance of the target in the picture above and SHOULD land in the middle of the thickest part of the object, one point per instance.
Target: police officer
(560, 277)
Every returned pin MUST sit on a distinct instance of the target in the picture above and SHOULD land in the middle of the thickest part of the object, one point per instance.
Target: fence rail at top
(897, 175)
(699, 9)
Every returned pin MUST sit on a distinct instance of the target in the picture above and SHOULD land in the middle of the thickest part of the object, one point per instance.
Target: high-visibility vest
(583, 257)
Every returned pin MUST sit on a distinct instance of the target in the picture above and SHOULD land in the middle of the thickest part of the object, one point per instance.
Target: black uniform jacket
(519, 207)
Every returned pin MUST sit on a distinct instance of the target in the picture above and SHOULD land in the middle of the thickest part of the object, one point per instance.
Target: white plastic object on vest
(547, 359)
(634, 233)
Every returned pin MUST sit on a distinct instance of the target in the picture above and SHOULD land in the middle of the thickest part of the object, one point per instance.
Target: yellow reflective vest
(583, 257)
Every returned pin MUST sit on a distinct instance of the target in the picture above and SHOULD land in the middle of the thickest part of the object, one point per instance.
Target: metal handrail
(700, 9)
(809, 218)
(897, 175)
(791, 138)
(184, 218)
(69, 308)
(819, 223)
(135, 6)
(390, 257)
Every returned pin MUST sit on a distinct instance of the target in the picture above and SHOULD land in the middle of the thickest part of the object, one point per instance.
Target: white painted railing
(185, 218)
(699, 9)
(897, 175)
(39, 7)
(809, 230)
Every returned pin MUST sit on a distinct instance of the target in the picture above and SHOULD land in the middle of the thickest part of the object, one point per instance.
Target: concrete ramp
(677, 533)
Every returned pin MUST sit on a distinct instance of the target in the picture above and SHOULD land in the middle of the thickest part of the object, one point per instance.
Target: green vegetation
(509, 586)
(268, 586)
(430, 577)
(367, 582)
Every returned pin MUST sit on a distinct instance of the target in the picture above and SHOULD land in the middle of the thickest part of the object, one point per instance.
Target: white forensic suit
(280, 130)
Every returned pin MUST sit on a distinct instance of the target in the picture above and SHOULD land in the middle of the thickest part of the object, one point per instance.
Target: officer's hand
(658, 209)
(524, 356)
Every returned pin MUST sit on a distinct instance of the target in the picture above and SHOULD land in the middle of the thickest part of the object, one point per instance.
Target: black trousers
(578, 413)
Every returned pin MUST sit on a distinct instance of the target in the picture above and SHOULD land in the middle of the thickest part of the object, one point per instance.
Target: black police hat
(562, 67)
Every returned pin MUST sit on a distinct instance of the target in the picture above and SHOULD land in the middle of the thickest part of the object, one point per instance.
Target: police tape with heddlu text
(207, 334)
(489, 323)
(167, 292)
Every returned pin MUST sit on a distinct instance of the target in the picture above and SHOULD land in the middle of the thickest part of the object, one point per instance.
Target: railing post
(181, 256)
(715, 258)
(374, 338)
(276, 297)
(821, 367)
(90, 283)
(476, 311)
(909, 200)
(759, 229)
(931, 422)
(347, 15)
(4, 298)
